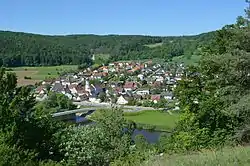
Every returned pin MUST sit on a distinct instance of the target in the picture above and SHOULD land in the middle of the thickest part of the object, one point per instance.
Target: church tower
(87, 86)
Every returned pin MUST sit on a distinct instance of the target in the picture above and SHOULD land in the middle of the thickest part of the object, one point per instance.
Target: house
(81, 98)
(41, 97)
(40, 90)
(58, 80)
(155, 98)
(81, 91)
(157, 84)
(94, 99)
(130, 86)
(170, 82)
(112, 70)
(96, 89)
(72, 88)
(142, 92)
(57, 87)
(168, 95)
(121, 100)
(65, 82)
(111, 64)
(178, 78)
(97, 76)
(119, 90)
(47, 82)
(159, 79)
(141, 77)
(66, 90)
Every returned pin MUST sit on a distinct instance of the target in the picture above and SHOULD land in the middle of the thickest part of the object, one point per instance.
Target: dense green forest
(24, 49)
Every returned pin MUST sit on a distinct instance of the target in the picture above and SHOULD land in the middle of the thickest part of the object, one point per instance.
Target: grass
(39, 73)
(227, 157)
(191, 60)
(102, 56)
(154, 45)
(160, 120)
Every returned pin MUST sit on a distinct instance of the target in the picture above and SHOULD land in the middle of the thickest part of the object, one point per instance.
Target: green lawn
(39, 73)
(161, 120)
(227, 157)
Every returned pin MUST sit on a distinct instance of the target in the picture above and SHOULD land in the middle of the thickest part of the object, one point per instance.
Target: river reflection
(150, 136)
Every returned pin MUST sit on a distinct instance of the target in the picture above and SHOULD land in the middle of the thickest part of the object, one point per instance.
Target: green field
(154, 45)
(187, 60)
(227, 157)
(161, 120)
(39, 73)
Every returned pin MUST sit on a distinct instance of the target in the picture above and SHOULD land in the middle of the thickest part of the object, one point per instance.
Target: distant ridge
(28, 49)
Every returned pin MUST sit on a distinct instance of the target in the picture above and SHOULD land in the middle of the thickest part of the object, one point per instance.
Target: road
(108, 105)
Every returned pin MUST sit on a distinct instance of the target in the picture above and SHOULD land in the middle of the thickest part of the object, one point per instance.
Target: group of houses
(118, 82)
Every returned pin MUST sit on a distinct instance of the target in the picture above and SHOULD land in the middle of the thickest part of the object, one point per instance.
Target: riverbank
(153, 120)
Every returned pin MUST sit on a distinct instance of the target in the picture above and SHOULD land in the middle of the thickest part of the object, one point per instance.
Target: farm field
(161, 120)
(39, 73)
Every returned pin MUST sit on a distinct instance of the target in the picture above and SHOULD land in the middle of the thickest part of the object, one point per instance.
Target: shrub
(27, 77)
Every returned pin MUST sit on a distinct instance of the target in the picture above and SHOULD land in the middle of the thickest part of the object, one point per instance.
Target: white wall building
(122, 101)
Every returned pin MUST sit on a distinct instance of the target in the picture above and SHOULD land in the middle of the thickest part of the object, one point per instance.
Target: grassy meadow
(227, 157)
(187, 60)
(39, 73)
(154, 45)
(160, 120)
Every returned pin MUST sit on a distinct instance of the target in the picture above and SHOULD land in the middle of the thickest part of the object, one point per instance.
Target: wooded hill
(25, 49)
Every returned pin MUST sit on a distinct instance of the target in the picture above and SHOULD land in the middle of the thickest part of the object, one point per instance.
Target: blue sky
(147, 17)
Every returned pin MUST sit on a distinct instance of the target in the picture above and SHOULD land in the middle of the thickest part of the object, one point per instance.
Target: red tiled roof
(118, 89)
(157, 83)
(98, 74)
(156, 97)
(39, 89)
(72, 86)
(130, 85)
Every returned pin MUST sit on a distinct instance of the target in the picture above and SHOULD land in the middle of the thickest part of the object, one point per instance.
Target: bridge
(80, 114)
(74, 115)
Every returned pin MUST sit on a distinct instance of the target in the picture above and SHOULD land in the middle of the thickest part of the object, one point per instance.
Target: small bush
(27, 78)
(9, 69)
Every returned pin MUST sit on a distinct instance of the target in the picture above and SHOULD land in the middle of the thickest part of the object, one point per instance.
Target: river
(150, 136)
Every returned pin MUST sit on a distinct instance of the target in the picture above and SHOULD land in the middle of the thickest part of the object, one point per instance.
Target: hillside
(25, 49)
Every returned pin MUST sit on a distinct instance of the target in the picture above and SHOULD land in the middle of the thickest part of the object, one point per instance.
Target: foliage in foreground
(26, 135)
(214, 95)
(226, 157)
(97, 144)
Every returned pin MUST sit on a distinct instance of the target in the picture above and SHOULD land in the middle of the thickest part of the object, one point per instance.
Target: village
(145, 84)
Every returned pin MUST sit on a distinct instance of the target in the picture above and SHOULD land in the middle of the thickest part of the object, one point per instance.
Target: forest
(24, 49)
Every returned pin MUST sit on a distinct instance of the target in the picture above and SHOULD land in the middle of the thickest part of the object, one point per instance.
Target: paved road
(107, 105)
